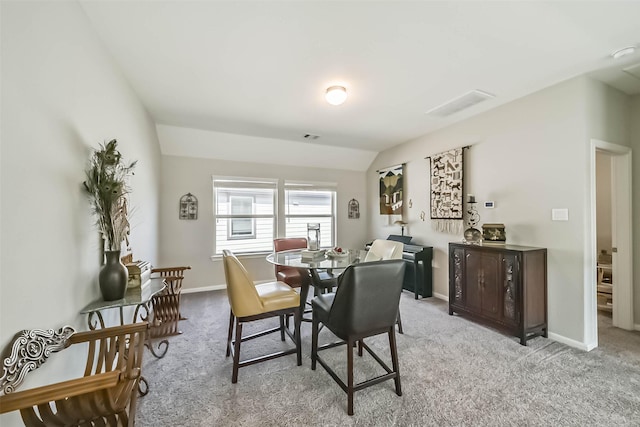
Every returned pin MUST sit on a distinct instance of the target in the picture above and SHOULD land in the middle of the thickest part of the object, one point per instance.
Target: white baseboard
(204, 289)
(571, 343)
(555, 337)
(441, 296)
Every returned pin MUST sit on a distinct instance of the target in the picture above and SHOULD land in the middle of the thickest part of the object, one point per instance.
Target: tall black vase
(113, 277)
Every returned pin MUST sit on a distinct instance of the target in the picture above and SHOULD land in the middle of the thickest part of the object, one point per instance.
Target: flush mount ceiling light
(336, 95)
(623, 52)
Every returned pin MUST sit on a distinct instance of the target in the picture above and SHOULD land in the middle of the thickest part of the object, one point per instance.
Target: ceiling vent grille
(460, 103)
(311, 137)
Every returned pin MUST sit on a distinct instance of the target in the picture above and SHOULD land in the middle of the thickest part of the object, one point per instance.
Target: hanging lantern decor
(354, 209)
(188, 207)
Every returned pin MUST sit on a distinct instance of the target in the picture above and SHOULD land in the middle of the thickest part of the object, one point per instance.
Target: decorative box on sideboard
(139, 273)
(503, 286)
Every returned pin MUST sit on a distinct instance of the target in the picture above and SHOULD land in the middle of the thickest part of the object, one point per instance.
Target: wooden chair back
(166, 305)
(176, 273)
(106, 394)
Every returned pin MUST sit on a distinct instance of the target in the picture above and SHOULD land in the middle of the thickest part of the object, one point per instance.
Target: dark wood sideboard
(501, 285)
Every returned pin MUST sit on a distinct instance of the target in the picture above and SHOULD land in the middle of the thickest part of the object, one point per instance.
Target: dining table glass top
(293, 258)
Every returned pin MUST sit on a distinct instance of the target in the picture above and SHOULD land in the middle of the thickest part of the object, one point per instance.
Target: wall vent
(460, 103)
(311, 137)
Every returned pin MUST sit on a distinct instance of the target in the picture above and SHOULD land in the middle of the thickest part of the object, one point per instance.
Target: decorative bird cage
(188, 207)
(354, 209)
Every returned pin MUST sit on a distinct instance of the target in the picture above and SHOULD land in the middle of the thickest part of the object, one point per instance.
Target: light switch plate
(560, 214)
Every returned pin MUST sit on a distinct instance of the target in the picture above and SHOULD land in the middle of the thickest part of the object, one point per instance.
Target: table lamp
(472, 235)
(402, 224)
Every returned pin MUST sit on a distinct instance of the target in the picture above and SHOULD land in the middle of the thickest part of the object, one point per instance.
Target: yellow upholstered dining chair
(381, 250)
(251, 302)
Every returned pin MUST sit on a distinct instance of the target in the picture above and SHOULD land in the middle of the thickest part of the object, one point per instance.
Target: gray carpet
(453, 371)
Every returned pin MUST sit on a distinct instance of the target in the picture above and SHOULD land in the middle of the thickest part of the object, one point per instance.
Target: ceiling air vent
(311, 137)
(460, 103)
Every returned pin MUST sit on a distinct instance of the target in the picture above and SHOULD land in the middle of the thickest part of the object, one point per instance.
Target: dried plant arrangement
(107, 186)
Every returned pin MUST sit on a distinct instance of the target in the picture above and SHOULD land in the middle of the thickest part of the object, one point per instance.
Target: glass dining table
(293, 258)
(328, 261)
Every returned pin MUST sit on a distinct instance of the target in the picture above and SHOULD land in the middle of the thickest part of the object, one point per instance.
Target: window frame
(290, 185)
(230, 182)
(279, 216)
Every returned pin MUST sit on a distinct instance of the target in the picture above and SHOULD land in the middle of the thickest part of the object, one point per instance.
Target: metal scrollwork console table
(139, 298)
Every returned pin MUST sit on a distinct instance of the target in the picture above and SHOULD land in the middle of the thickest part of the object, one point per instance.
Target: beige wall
(635, 144)
(191, 242)
(61, 96)
(529, 157)
(609, 118)
(608, 113)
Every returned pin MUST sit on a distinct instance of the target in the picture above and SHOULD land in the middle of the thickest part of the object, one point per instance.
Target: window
(248, 216)
(310, 203)
(242, 228)
(245, 214)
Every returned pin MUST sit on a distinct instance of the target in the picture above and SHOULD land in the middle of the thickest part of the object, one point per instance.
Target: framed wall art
(446, 190)
(391, 190)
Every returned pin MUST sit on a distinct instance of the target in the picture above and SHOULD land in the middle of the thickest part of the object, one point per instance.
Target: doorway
(621, 241)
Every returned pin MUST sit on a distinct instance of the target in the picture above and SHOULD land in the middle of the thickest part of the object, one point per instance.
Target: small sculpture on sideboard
(472, 235)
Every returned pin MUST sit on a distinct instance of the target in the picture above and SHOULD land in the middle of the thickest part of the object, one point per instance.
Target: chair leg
(350, 376)
(360, 347)
(394, 359)
(298, 319)
(236, 352)
(314, 342)
(282, 327)
(399, 322)
(230, 335)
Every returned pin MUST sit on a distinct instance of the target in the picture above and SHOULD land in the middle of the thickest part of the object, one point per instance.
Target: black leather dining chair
(365, 304)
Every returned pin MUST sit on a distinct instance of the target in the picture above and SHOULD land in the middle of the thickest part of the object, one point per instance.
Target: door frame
(621, 238)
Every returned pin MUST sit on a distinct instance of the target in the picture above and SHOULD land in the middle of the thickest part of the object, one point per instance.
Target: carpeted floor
(453, 371)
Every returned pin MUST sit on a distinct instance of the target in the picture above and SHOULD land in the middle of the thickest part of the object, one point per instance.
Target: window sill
(255, 255)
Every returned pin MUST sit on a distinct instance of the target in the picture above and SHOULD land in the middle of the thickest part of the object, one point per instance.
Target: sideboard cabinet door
(504, 286)
(510, 288)
(482, 274)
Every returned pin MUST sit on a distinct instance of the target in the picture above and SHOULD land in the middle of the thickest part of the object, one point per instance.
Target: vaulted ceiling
(261, 68)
